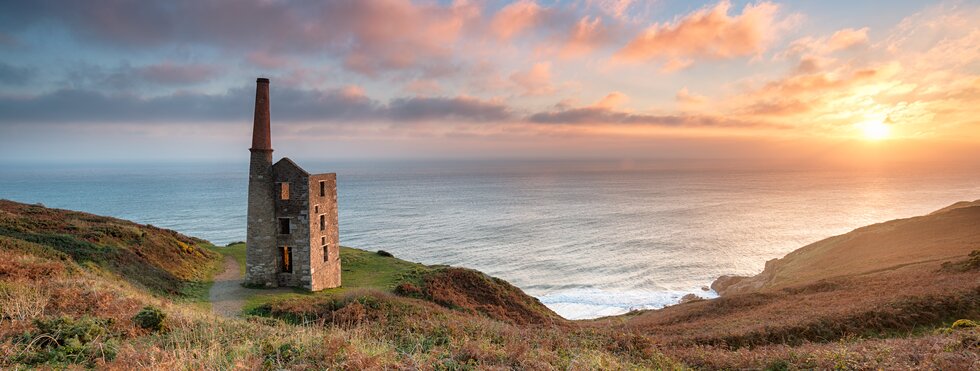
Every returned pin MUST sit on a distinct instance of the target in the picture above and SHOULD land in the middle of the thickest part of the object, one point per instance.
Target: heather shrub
(67, 340)
(778, 365)
(972, 263)
(408, 289)
(150, 318)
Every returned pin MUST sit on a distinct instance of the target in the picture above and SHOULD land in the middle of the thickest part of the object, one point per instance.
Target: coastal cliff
(949, 233)
(78, 289)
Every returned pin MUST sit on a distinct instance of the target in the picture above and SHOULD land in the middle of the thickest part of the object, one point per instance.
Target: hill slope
(879, 291)
(949, 233)
(78, 289)
(161, 260)
(84, 293)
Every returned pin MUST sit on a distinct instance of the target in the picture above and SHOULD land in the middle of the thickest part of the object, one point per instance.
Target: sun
(875, 130)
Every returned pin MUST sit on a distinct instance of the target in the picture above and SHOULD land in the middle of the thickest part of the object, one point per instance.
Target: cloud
(518, 17)
(127, 77)
(847, 38)
(177, 74)
(776, 107)
(586, 35)
(816, 48)
(565, 31)
(536, 80)
(825, 81)
(596, 115)
(612, 100)
(14, 75)
(707, 33)
(267, 60)
(423, 87)
(346, 104)
(615, 8)
(452, 109)
(921, 80)
(369, 36)
(686, 97)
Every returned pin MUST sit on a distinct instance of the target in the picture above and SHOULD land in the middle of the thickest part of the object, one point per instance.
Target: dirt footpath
(227, 294)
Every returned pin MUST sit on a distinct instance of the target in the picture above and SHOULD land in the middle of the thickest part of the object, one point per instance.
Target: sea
(587, 238)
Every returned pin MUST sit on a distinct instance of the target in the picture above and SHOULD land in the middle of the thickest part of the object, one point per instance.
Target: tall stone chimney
(260, 240)
(261, 137)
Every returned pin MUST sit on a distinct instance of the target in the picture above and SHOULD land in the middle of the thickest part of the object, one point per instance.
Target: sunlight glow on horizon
(875, 130)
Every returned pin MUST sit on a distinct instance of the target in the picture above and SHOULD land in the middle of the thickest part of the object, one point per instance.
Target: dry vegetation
(63, 305)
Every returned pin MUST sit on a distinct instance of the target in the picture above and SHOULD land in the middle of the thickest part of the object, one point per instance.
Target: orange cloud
(684, 96)
(515, 18)
(587, 34)
(847, 38)
(920, 81)
(612, 100)
(813, 48)
(707, 33)
(535, 81)
(399, 34)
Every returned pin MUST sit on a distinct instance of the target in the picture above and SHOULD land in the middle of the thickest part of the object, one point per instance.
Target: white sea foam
(588, 303)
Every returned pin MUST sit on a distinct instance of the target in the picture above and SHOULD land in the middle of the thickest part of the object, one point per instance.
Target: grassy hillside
(70, 296)
(879, 291)
(161, 260)
(89, 311)
(366, 272)
(950, 233)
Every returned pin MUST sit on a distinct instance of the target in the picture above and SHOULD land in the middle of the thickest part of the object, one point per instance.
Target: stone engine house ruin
(292, 237)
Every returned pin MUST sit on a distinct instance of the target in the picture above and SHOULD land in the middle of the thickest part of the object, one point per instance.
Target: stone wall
(325, 272)
(260, 239)
(296, 210)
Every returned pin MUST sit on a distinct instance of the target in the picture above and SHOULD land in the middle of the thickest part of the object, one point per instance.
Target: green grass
(368, 270)
(235, 250)
(197, 293)
(361, 269)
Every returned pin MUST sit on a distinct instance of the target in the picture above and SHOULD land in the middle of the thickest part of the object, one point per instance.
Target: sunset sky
(171, 80)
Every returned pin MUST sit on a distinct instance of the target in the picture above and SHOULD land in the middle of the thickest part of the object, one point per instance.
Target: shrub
(408, 289)
(68, 340)
(972, 263)
(778, 365)
(963, 323)
(150, 318)
(278, 356)
(385, 254)
(230, 244)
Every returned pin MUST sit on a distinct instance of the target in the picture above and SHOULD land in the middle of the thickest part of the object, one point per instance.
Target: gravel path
(227, 294)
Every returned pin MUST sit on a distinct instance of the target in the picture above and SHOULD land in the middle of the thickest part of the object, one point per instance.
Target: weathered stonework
(260, 240)
(325, 267)
(292, 217)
